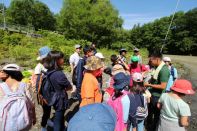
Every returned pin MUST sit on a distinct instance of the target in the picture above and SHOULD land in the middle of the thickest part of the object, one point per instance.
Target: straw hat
(93, 63)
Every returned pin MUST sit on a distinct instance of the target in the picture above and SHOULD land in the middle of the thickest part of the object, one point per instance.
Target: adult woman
(11, 76)
(60, 83)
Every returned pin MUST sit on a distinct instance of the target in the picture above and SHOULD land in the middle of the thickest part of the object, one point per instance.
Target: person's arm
(158, 86)
(159, 105)
(184, 121)
(79, 73)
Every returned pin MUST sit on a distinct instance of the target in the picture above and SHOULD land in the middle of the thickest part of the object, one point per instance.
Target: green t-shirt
(172, 108)
(163, 76)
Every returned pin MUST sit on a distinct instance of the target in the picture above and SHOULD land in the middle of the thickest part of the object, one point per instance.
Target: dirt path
(190, 62)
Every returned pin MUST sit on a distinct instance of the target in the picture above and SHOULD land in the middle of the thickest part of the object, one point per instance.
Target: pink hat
(137, 77)
(183, 86)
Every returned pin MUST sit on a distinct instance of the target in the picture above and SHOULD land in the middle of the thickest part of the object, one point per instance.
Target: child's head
(138, 85)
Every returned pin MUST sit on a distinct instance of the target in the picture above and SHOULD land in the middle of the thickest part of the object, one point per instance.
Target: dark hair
(156, 54)
(86, 49)
(138, 88)
(114, 58)
(117, 94)
(17, 75)
(108, 71)
(50, 62)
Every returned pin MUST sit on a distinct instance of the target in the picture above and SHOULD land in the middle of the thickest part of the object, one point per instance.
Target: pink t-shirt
(139, 69)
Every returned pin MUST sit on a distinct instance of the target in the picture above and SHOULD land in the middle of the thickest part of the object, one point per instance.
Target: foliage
(92, 21)
(31, 13)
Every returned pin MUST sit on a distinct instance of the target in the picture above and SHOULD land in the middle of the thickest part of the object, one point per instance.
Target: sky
(135, 11)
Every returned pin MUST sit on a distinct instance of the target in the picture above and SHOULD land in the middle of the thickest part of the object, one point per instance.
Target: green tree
(31, 12)
(94, 21)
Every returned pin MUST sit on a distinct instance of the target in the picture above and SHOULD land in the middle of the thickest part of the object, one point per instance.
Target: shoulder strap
(141, 68)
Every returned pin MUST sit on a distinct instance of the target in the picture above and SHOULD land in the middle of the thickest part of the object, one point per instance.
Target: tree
(93, 21)
(31, 12)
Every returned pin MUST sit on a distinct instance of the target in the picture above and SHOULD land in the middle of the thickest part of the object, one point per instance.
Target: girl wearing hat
(174, 111)
(90, 90)
(119, 100)
(138, 99)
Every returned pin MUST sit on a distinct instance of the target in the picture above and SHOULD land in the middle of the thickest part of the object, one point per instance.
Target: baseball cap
(77, 46)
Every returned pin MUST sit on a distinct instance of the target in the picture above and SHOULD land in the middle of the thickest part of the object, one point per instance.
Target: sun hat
(99, 55)
(77, 46)
(11, 67)
(117, 69)
(93, 117)
(43, 52)
(93, 63)
(183, 86)
(121, 80)
(137, 77)
(134, 59)
(122, 50)
(167, 59)
(136, 49)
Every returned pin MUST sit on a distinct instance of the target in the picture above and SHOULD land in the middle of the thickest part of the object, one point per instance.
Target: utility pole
(4, 22)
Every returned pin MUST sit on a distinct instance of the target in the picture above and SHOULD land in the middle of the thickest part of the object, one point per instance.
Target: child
(119, 101)
(138, 100)
(174, 111)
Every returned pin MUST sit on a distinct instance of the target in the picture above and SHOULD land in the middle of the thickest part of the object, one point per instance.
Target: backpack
(172, 72)
(46, 89)
(74, 76)
(141, 108)
(17, 112)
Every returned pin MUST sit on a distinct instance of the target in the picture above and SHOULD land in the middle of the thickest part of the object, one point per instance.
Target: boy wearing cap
(74, 58)
(174, 111)
(90, 90)
(122, 55)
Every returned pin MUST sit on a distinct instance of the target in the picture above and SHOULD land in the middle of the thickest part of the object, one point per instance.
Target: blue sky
(135, 11)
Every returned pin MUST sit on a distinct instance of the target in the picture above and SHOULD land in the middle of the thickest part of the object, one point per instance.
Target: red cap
(183, 86)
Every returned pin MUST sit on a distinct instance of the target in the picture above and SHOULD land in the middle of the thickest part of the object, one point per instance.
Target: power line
(178, 1)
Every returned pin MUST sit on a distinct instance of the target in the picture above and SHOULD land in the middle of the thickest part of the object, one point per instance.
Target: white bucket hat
(11, 67)
(167, 59)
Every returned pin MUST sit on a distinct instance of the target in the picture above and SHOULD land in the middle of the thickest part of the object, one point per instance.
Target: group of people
(137, 96)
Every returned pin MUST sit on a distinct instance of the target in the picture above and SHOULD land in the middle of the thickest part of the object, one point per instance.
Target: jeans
(59, 121)
(46, 115)
(153, 115)
(140, 126)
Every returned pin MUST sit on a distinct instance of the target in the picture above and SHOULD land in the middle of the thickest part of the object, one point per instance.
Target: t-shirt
(139, 69)
(90, 89)
(163, 76)
(173, 108)
(39, 68)
(74, 59)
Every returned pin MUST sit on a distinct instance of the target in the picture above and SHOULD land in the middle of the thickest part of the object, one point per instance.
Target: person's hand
(147, 85)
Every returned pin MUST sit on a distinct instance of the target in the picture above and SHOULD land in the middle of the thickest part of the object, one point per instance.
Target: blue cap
(121, 80)
(43, 52)
(93, 117)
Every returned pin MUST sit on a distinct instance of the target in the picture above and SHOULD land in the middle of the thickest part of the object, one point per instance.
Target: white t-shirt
(74, 59)
(39, 68)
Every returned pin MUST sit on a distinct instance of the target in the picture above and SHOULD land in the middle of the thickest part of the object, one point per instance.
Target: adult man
(75, 57)
(136, 52)
(80, 71)
(122, 55)
(157, 87)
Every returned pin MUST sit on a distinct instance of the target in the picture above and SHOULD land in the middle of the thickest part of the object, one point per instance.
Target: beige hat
(117, 69)
(93, 63)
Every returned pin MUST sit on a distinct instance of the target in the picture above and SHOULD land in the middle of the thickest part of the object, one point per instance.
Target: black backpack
(46, 89)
